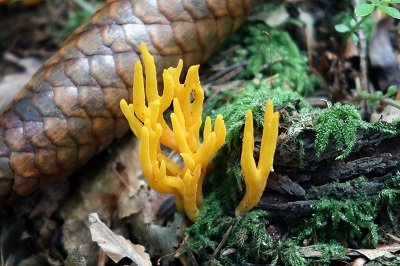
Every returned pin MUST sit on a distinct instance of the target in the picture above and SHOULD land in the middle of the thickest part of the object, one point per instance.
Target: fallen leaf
(116, 246)
(396, 239)
(128, 171)
(229, 251)
(359, 262)
(385, 251)
(389, 114)
(135, 195)
(152, 201)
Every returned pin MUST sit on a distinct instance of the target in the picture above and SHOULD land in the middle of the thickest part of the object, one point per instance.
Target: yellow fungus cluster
(146, 119)
(256, 175)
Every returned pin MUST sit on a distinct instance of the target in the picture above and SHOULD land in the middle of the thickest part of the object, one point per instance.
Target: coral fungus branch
(256, 175)
(148, 124)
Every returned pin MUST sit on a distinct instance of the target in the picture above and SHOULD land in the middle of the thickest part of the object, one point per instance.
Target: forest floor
(332, 199)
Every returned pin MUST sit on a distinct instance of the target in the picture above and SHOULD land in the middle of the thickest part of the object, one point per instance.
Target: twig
(394, 238)
(269, 65)
(222, 243)
(225, 71)
(383, 99)
(362, 47)
(217, 89)
(189, 252)
(165, 256)
(363, 56)
(391, 102)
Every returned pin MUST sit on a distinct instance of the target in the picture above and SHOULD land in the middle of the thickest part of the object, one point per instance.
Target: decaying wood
(301, 177)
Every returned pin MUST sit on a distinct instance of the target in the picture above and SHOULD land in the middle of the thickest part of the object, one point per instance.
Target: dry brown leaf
(389, 114)
(380, 251)
(127, 204)
(128, 198)
(152, 201)
(359, 262)
(116, 246)
(135, 195)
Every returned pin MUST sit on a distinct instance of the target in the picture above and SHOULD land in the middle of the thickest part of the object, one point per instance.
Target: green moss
(331, 251)
(395, 262)
(289, 254)
(278, 51)
(253, 96)
(356, 220)
(389, 199)
(338, 124)
(391, 191)
(207, 231)
(78, 17)
(352, 220)
(212, 225)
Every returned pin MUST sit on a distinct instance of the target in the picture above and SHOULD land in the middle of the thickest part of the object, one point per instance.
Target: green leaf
(392, 1)
(391, 11)
(354, 38)
(353, 23)
(378, 95)
(391, 91)
(342, 28)
(364, 10)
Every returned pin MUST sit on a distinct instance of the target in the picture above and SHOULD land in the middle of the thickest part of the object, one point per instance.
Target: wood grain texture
(69, 111)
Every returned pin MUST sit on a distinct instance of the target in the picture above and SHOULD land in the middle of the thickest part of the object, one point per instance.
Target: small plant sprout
(364, 11)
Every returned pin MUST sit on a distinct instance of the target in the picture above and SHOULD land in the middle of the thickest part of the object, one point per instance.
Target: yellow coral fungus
(148, 124)
(255, 176)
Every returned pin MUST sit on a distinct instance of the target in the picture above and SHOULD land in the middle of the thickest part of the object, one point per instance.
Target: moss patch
(355, 221)
(276, 55)
(339, 125)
